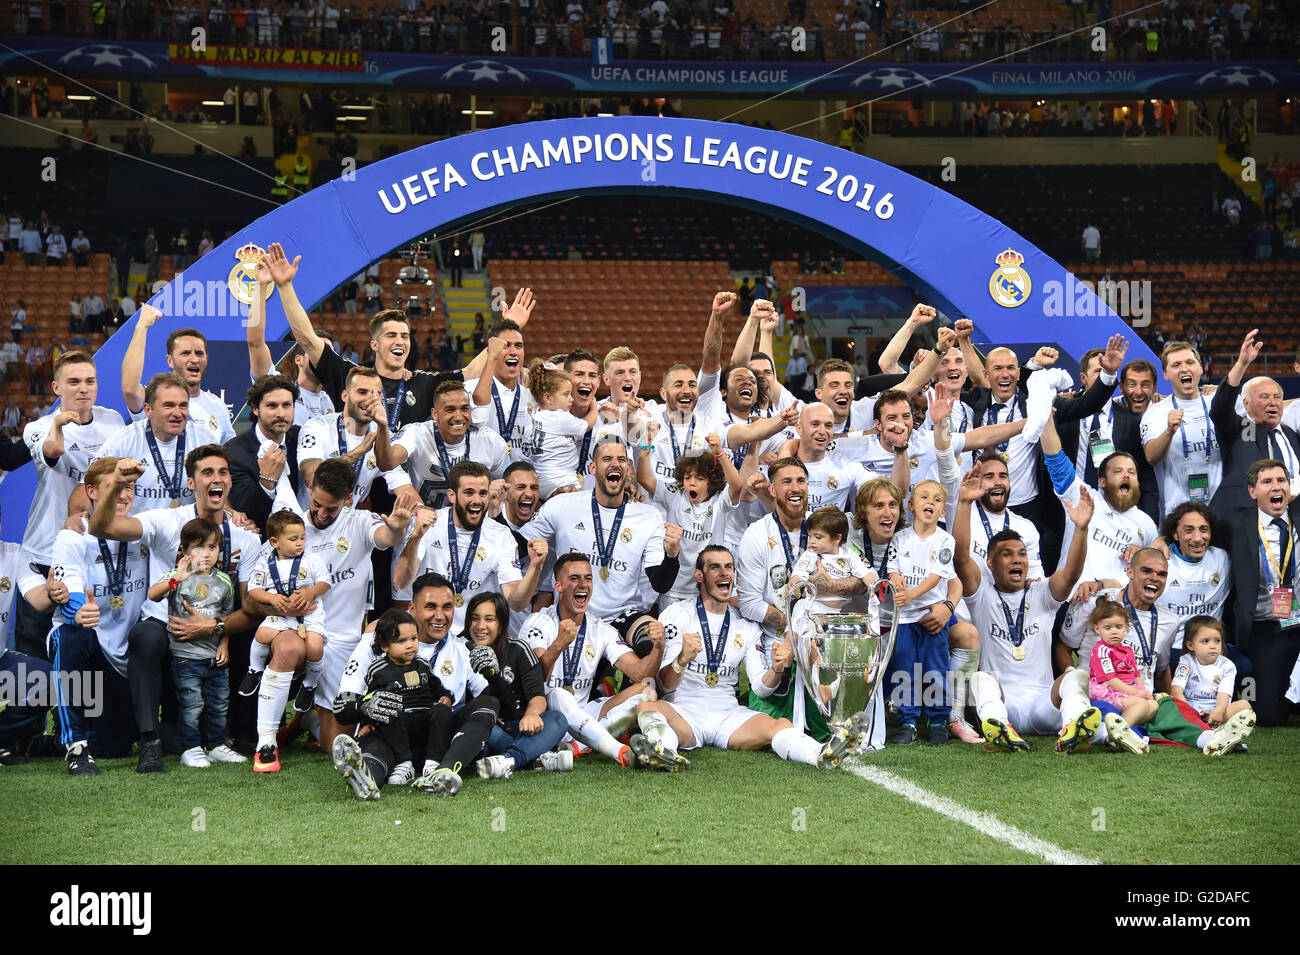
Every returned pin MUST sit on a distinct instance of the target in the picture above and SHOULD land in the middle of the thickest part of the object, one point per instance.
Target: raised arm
(760, 429)
(104, 520)
(259, 356)
(744, 349)
(1061, 584)
(711, 359)
(491, 360)
(282, 273)
(967, 570)
(133, 360)
(408, 561)
(645, 471)
(1101, 390)
(387, 455)
(921, 315)
(977, 377)
(921, 376)
(1251, 346)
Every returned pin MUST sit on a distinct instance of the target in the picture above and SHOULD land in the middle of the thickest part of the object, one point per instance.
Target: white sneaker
(403, 774)
(195, 757)
(560, 761)
(224, 754)
(1123, 735)
(1230, 734)
(496, 767)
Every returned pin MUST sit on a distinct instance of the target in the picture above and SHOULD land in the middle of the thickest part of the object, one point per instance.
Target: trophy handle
(887, 611)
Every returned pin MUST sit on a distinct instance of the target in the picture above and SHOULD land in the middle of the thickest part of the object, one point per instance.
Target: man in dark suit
(1245, 503)
(264, 459)
(1137, 385)
(1004, 400)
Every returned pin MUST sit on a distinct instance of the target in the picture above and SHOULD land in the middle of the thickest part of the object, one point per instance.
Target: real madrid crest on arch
(243, 277)
(1010, 285)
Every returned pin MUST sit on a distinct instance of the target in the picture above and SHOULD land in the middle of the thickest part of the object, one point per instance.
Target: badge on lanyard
(1100, 448)
(1198, 488)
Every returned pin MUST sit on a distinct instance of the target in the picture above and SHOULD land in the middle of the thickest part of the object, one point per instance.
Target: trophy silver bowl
(842, 657)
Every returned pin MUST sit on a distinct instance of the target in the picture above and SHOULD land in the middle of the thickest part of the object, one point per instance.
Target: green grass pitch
(1171, 806)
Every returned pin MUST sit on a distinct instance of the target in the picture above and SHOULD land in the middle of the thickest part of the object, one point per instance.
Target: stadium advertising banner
(958, 258)
(528, 75)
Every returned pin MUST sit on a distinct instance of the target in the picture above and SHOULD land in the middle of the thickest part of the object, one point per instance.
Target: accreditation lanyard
(884, 557)
(1281, 567)
(395, 409)
(460, 570)
(984, 519)
(444, 457)
(1209, 434)
(605, 548)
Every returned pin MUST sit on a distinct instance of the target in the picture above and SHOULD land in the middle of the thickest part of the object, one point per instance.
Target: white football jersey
(844, 563)
(424, 463)
(1203, 682)
(596, 639)
(56, 481)
(162, 536)
(702, 524)
(921, 455)
(1193, 450)
(318, 440)
(1076, 633)
(78, 561)
(552, 446)
(448, 658)
(1008, 519)
(488, 416)
(1110, 533)
(918, 558)
(989, 610)
(833, 482)
(12, 568)
(680, 619)
(310, 404)
(151, 490)
(762, 568)
(210, 416)
(566, 522)
(1196, 587)
(1022, 455)
(494, 562)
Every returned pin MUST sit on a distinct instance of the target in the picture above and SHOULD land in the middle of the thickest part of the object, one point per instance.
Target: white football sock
(272, 696)
(986, 693)
(962, 664)
(793, 745)
(655, 726)
(582, 726)
(622, 718)
(1203, 739)
(311, 723)
(259, 655)
(312, 676)
(1074, 694)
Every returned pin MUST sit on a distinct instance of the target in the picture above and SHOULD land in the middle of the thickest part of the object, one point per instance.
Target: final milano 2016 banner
(528, 75)
(955, 256)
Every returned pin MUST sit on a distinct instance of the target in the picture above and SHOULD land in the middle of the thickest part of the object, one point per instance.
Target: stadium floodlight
(477, 112)
(350, 119)
(80, 97)
(213, 102)
(357, 106)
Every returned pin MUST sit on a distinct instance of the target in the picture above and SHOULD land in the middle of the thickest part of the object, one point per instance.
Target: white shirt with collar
(1277, 548)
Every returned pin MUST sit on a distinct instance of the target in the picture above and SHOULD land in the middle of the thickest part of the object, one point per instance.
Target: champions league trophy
(841, 657)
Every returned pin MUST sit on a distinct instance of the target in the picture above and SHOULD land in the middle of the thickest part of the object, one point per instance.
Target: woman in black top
(526, 730)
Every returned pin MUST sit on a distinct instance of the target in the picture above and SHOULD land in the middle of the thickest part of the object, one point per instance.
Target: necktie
(1283, 538)
(1090, 469)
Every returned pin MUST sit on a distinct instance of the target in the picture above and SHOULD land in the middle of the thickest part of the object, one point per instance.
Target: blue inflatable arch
(963, 261)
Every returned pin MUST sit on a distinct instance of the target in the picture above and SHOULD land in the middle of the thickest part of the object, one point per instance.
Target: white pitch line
(980, 821)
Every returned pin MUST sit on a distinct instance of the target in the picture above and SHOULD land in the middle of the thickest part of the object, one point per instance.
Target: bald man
(832, 478)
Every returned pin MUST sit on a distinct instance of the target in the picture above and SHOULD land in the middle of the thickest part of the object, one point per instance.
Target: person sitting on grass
(1205, 679)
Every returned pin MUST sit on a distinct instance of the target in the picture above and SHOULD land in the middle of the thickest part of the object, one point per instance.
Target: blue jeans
(918, 676)
(203, 689)
(525, 748)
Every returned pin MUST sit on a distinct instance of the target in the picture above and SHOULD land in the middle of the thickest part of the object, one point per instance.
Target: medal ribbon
(343, 449)
(572, 657)
(884, 558)
(171, 483)
(116, 573)
(690, 433)
(395, 410)
(988, 528)
(604, 548)
(460, 573)
(785, 541)
(506, 428)
(713, 652)
(226, 548)
(1017, 629)
(583, 451)
(293, 577)
(444, 457)
(1148, 648)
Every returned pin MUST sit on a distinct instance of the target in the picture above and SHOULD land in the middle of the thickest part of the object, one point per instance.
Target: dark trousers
(32, 627)
(451, 738)
(1273, 652)
(24, 709)
(94, 700)
(148, 672)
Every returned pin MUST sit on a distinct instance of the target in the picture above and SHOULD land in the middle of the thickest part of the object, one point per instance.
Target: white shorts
(1031, 711)
(314, 621)
(338, 649)
(713, 727)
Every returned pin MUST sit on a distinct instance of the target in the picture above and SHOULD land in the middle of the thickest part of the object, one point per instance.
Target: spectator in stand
(15, 230)
(11, 357)
(80, 249)
(181, 250)
(13, 419)
(373, 293)
(76, 321)
(35, 359)
(150, 257)
(205, 243)
(56, 247)
(126, 308)
(477, 242)
(1232, 209)
(349, 353)
(30, 244)
(92, 312)
(18, 319)
(1091, 243)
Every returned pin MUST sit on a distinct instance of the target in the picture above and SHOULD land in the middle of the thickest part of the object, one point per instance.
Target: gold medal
(117, 601)
(1019, 653)
(712, 678)
(509, 450)
(174, 503)
(568, 689)
(460, 601)
(1004, 456)
(302, 630)
(604, 573)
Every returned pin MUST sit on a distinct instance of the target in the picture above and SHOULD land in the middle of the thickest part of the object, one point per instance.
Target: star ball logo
(892, 78)
(1010, 284)
(487, 70)
(1243, 76)
(106, 54)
